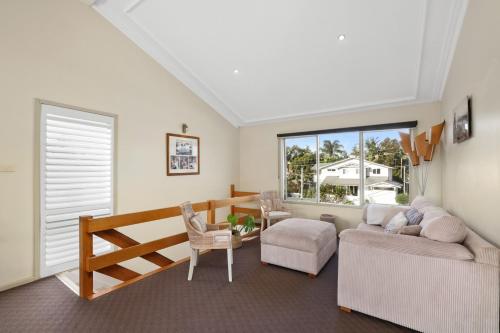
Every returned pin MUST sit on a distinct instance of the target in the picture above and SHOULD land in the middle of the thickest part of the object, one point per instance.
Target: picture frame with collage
(183, 155)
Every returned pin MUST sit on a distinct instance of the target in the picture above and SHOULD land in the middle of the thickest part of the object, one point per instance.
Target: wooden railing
(243, 211)
(104, 228)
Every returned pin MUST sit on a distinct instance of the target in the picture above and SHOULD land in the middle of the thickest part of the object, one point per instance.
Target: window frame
(362, 171)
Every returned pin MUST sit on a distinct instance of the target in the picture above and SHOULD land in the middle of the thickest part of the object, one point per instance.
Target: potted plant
(236, 229)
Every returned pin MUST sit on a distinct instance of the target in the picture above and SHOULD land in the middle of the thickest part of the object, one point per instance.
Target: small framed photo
(183, 155)
(462, 121)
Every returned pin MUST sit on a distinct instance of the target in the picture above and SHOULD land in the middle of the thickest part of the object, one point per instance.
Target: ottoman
(300, 244)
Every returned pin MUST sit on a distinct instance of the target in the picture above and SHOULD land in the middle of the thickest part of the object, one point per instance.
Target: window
(336, 152)
(338, 178)
(388, 182)
(76, 178)
(300, 165)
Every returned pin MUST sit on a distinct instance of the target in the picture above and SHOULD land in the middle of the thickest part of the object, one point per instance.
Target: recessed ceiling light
(341, 37)
(236, 72)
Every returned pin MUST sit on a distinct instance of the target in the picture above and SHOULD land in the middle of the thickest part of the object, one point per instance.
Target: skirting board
(17, 283)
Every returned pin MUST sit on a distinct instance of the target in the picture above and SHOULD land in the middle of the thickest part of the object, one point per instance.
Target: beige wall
(259, 153)
(471, 170)
(64, 51)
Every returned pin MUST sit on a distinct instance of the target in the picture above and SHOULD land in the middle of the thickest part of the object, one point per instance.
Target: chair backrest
(187, 214)
(272, 198)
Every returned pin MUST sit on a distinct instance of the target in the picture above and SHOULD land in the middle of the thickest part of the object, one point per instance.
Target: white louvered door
(76, 178)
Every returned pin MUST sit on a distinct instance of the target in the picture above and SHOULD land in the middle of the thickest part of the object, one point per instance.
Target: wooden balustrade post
(232, 196)
(86, 251)
(211, 212)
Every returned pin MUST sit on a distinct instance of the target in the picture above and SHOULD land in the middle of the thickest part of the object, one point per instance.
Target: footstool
(301, 244)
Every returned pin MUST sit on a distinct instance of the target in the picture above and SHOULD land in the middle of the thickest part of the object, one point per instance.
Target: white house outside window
(325, 168)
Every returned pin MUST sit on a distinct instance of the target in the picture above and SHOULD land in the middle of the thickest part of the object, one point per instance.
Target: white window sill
(312, 203)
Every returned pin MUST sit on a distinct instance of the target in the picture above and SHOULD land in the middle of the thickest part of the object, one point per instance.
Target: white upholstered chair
(272, 209)
(204, 236)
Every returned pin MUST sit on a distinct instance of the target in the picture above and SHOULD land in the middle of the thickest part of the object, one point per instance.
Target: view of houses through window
(337, 178)
(301, 168)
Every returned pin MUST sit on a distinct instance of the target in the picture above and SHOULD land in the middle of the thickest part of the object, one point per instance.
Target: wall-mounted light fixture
(184, 128)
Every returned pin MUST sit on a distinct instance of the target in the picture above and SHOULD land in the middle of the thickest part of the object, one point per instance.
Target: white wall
(259, 153)
(471, 170)
(64, 51)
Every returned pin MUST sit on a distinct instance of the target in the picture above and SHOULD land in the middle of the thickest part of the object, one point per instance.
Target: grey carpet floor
(260, 299)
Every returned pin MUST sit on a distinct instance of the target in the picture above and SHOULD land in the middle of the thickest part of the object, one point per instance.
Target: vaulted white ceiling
(289, 59)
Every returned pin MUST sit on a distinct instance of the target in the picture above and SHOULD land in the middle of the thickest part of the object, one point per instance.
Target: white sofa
(419, 283)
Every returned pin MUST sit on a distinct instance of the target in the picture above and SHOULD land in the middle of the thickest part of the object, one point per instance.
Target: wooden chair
(212, 239)
(272, 209)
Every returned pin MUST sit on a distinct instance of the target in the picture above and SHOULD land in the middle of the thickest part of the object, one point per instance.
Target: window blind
(76, 178)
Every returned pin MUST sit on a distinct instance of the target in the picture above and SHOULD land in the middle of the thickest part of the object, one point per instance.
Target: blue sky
(347, 139)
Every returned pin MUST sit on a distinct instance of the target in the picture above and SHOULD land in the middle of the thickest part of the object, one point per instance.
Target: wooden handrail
(248, 211)
(117, 221)
(244, 194)
(104, 228)
(235, 201)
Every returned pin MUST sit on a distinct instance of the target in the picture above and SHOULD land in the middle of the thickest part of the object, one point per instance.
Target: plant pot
(236, 239)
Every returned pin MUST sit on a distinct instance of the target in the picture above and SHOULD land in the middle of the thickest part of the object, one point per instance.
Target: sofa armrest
(484, 252)
(404, 244)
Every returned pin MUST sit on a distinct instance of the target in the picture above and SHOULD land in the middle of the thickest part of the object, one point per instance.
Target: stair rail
(105, 228)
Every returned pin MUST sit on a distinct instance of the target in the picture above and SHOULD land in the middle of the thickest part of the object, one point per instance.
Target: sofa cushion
(430, 213)
(405, 245)
(414, 216)
(379, 214)
(421, 202)
(410, 230)
(299, 234)
(397, 222)
(370, 227)
(448, 229)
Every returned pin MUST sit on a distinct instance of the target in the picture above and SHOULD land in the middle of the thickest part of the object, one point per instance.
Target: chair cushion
(299, 234)
(198, 223)
(449, 229)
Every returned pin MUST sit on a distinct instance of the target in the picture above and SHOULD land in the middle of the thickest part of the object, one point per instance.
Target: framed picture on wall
(183, 155)
(462, 121)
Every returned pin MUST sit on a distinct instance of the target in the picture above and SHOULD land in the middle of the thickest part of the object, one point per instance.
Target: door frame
(37, 255)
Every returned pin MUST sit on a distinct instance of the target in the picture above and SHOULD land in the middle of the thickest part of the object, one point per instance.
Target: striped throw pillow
(413, 216)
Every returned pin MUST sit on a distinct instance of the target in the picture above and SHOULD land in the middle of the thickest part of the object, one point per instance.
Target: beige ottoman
(300, 244)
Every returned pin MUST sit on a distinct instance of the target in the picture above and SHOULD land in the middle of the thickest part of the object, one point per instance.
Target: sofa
(418, 282)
